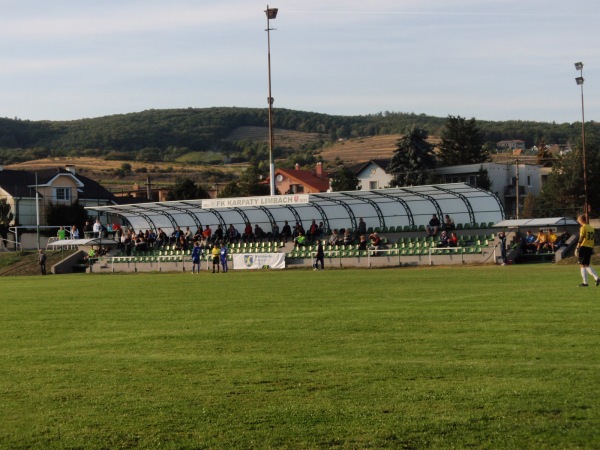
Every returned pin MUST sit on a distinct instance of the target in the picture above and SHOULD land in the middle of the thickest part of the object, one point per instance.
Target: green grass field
(485, 357)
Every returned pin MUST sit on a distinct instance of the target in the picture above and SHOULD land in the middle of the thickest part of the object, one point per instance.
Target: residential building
(373, 174)
(299, 181)
(22, 189)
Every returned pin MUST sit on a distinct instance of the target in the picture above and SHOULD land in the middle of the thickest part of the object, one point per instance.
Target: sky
(487, 59)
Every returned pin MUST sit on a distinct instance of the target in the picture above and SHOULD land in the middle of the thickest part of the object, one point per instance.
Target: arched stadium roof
(396, 207)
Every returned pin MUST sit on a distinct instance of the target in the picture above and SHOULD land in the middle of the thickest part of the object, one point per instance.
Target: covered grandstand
(386, 210)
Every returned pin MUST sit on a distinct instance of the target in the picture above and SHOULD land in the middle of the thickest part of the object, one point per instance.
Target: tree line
(166, 135)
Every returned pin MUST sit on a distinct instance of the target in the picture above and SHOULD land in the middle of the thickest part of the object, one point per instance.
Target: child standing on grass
(216, 252)
(196, 254)
(42, 261)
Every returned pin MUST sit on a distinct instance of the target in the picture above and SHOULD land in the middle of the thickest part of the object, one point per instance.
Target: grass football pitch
(435, 357)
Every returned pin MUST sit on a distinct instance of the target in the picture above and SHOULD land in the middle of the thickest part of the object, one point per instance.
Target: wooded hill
(225, 135)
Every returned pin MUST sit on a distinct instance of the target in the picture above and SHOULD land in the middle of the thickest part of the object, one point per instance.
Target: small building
(30, 193)
(299, 181)
(373, 174)
(508, 180)
(512, 144)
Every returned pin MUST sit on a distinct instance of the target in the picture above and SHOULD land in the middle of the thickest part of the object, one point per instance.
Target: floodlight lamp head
(579, 80)
(578, 66)
(271, 13)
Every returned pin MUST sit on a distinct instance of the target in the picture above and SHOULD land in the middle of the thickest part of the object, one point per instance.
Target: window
(529, 180)
(62, 194)
(372, 184)
(473, 180)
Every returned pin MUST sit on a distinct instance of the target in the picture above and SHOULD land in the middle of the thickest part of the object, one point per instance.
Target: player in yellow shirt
(585, 249)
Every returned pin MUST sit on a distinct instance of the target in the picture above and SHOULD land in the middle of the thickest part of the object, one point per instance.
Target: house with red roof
(300, 181)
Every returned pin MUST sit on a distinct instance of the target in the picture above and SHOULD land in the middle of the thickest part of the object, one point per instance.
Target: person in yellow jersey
(216, 253)
(585, 249)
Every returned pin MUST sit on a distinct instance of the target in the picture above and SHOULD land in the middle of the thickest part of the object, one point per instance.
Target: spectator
(502, 237)
(233, 235)
(448, 223)
(286, 231)
(453, 240)
(42, 261)
(218, 235)
(562, 239)
(551, 238)
(335, 238)
(248, 235)
(274, 232)
(87, 230)
(362, 242)
(300, 240)
(361, 228)
(74, 232)
(97, 228)
(433, 226)
(312, 231)
(347, 240)
(61, 234)
(528, 243)
(189, 236)
(207, 233)
(259, 234)
(375, 241)
(161, 238)
(444, 240)
(540, 241)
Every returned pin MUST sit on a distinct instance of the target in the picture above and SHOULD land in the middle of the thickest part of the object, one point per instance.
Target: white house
(507, 179)
(372, 174)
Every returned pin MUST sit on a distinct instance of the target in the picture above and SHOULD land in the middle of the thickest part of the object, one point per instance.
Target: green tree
(462, 142)
(58, 214)
(231, 189)
(186, 189)
(413, 160)
(6, 217)
(251, 184)
(344, 180)
(483, 180)
(563, 192)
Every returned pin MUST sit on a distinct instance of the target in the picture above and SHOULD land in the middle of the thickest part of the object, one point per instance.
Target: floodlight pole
(579, 80)
(271, 14)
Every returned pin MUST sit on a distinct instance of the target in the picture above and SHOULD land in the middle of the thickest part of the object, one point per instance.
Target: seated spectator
(335, 238)
(375, 241)
(347, 239)
(551, 241)
(444, 240)
(300, 240)
(161, 238)
(448, 223)
(233, 235)
(562, 239)
(362, 242)
(218, 234)
(207, 233)
(453, 240)
(259, 234)
(528, 243)
(433, 226)
(540, 241)
(286, 232)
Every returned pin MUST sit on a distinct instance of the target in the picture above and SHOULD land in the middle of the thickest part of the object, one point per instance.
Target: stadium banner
(293, 199)
(245, 261)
